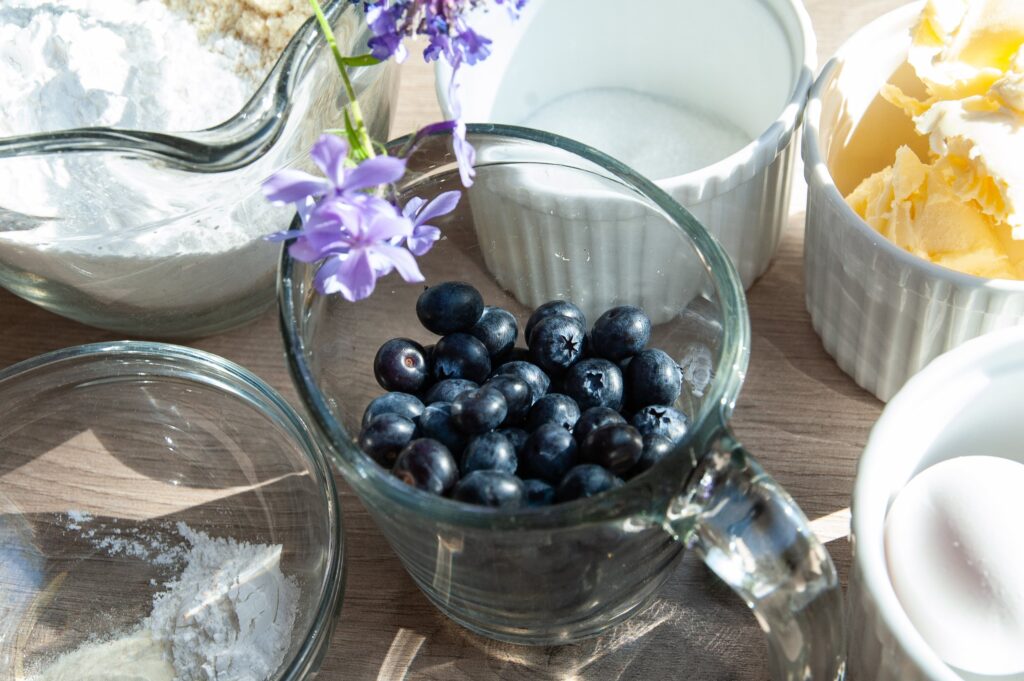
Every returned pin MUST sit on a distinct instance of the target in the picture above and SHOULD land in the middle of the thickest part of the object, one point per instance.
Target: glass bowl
(160, 234)
(107, 448)
(560, 573)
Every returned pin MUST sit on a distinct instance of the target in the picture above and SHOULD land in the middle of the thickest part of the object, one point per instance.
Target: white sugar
(654, 136)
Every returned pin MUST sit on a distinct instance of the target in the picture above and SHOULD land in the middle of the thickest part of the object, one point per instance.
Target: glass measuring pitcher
(563, 572)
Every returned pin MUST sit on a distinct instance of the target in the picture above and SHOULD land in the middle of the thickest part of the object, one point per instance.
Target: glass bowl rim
(211, 365)
(372, 480)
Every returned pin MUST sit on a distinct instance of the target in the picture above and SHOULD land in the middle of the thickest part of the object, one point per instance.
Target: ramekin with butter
(914, 198)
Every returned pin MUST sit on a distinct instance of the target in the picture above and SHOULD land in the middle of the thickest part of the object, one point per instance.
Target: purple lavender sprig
(345, 220)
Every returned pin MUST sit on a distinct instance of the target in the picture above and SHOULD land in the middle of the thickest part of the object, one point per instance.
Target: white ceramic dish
(881, 312)
(967, 402)
(745, 61)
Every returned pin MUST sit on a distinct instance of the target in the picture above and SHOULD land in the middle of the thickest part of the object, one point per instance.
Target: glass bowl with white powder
(164, 515)
(112, 216)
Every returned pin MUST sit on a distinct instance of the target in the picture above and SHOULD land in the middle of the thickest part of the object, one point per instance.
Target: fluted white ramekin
(881, 312)
(966, 402)
(708, 48)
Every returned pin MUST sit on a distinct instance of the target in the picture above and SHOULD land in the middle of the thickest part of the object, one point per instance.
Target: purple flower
(349, 183)
(443, 22)
(471, 47)
(361, 251)
(465, 154)
(387, 33)
(423, 235)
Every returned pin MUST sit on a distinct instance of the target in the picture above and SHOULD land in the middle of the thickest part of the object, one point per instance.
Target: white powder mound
(115, 63)
(126, 232)
(227, 617)
(654, 136)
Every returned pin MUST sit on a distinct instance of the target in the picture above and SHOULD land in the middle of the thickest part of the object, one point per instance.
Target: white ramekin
(881, 312)
(966, 402)
(743, 200)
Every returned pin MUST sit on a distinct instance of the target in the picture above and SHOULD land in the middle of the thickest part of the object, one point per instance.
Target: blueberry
(549, 453)
(539, 493)
(402, 404)
(554, 408)
(557, 343)
(616, 446)
(517, 436)
(621, 332)
(401, 365)
(480, 410)
(460, 356)
(449, 307)
(586, 480)
(489, 452)
(657, 419)
(497, 330)
(490, 488)
(534, 376)
(594, 383)
(436, 423)
(594, 418)
(385, 436)
(554, 308)
(516, 393)
(427, 465)
(652, 378)
(448, 389)
(656, 447)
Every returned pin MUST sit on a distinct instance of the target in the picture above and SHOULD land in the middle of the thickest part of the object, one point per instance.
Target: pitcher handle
(752, 534)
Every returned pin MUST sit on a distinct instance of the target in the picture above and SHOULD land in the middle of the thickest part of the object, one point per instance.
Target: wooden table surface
(804, 419)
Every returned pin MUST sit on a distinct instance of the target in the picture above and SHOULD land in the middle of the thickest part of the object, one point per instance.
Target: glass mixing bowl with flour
(164, 516)
(111, 218)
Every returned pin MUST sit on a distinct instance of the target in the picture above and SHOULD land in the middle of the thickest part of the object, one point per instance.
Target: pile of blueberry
(479, 420)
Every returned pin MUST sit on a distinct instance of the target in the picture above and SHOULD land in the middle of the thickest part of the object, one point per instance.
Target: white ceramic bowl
(880, 311)
(750, 62)
(966, 402)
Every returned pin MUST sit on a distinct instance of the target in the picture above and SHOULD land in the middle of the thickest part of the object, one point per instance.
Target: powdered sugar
(117, 63)
(228, 616)
(119, 231)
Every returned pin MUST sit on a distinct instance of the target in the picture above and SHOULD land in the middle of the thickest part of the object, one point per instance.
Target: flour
(118, 231)
(115, 63)
(227, 617)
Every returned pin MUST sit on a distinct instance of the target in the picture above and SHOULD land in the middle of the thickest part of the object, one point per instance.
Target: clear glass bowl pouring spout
(159, 234)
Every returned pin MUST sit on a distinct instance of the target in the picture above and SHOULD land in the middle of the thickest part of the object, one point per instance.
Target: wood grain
(798, 413)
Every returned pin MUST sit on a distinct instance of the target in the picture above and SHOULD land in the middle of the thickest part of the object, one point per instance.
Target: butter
(914, 205)
(963, 207)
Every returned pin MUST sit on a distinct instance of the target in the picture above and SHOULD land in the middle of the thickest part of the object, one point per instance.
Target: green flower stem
(362, 134)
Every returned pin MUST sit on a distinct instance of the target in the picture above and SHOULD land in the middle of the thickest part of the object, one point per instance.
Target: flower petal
(353, 276)
(293, 186)
(422, 239)
(384, 226)
(412, 206)
(373, 172)
(329, 154)
(442, 204)
(317, 244)
(403, 261)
